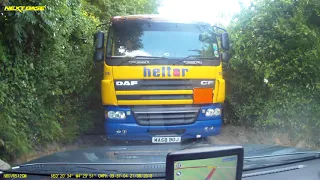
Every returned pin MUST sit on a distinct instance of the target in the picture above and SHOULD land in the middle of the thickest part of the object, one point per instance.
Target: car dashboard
(306, 170)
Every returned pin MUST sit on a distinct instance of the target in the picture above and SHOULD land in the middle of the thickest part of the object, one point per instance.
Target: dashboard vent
(273, 171)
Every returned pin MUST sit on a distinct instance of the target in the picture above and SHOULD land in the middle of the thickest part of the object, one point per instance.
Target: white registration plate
(166, 139)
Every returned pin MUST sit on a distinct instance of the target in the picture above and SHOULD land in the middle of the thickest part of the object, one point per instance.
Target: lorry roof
(155, 17)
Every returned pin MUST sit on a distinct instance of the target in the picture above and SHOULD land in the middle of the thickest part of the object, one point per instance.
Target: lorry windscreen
(160, 39)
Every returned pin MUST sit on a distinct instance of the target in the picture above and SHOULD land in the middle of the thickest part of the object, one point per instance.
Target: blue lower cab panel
(132, 131)
(191, 119)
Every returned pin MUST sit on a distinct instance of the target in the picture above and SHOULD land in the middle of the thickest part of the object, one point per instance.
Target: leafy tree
(274, 72)
(105, 9)
(47, 90)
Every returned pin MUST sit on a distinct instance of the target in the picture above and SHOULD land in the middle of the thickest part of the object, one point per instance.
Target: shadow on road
(101, 140)
(135, 143)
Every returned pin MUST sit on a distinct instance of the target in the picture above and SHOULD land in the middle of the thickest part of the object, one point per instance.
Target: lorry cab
(162, 78)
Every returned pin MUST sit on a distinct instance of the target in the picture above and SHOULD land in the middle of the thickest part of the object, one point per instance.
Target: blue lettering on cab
(164, 72)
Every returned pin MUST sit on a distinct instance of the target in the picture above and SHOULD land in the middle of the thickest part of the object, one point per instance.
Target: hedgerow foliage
(47, 83)
(50, 92)
(274, 73)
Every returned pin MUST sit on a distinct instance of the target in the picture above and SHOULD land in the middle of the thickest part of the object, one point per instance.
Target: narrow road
(229, 135)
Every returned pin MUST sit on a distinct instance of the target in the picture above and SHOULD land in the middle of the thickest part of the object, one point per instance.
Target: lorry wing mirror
(99, 44)
(98, 55)
(226, 56)
(99, 40)
(225, 41)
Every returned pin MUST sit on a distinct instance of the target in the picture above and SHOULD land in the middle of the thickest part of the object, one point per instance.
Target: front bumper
(128, 129)
(132, 131)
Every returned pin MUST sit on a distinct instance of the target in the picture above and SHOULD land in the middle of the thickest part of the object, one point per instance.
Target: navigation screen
(205, 169)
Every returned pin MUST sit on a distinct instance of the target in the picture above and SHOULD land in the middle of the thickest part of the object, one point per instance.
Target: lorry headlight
(217, 112)
(116, 115)
(213, 112)
(111, 114)
(120, 115)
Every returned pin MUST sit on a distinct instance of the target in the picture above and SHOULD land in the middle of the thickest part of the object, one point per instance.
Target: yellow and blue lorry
(162, 78)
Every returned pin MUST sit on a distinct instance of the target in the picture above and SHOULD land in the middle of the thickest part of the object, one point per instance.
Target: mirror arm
(94, 65)
(220, 28)
(103, 24)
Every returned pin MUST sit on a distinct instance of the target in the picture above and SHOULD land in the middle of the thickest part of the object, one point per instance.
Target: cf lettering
(206, 82)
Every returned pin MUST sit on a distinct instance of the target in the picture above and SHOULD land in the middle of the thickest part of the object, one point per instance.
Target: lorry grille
(154, 97)
(162, 84)
(165, 115)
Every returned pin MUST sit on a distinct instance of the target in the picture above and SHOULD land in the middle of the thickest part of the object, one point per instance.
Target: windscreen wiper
(193, 62)
(196, 50)
(136, 59)
(312, 153)
(258, 162)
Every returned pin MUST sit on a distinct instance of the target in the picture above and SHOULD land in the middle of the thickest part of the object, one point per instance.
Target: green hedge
(50, 92)
(274, 73)
(48, 88)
